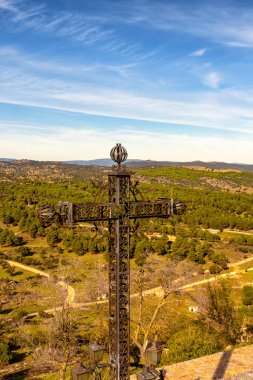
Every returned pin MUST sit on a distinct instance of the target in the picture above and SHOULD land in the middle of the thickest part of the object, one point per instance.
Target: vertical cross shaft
(117, 212)
(119, 184)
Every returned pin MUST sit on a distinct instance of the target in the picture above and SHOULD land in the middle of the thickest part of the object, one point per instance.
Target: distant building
(103, 296)
(213, 231)
(193, 309)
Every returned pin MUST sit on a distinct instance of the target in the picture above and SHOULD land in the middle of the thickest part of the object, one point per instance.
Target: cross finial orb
(118, 154)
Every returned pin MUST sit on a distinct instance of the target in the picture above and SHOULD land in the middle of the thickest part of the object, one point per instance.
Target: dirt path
(69, 289)
(154, 291)
(28, 268)
(241, 262)
(158, 291)
(238, 232)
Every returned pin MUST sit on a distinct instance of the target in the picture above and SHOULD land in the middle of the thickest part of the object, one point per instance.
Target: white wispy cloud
(198, 53)
(220, 110)
(85, 28)
(32, 80)
(212, 79)
(8, 5)
(20, 11)
(227, 23)
(17, 61)
(223, 23)
(237, 44)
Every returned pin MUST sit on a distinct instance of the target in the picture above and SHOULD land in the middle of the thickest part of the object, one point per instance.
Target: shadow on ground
(222, 365)
(21, 375)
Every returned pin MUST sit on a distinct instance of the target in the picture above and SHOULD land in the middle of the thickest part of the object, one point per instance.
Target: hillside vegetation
(211, 238)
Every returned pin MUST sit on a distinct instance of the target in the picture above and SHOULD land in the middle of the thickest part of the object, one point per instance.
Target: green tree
(93, 248)
(8, 219)
(215, 269)
(180, 248)
(141, 252)
(80, 245)
(161, 246)
(5, 355)
(170, 277)
(41, 232)
(219, 259)
(217, 308)
(22, 222)
(247, 295)
(191, 342)
(33, 230)
(8, 238)
(53, 236)
(25, 251)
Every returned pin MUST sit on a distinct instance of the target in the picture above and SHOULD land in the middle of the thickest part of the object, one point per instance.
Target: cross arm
(91, 212)
(161, 208)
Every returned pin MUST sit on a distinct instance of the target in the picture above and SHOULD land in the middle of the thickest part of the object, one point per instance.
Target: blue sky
(170, 80)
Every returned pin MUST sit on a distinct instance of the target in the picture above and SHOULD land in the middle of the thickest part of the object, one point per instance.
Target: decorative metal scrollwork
(119, 207)
(135, 191)
(118, 154)
(47, 214)
(119, 168)
(119, 185)
(178, 207)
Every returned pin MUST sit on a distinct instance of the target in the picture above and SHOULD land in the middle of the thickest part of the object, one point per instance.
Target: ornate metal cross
(118, 212)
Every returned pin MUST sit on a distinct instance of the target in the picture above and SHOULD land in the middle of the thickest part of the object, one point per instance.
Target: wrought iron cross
(118, 212)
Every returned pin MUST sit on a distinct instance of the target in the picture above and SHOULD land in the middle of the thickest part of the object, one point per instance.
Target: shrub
(53, 236)
(9, 269)
(246, 300)
(25, 251)
(223, 265)
(244, 249)
(189, 343)
(8, 238)
(218, 258)
(5, 355)
(3, 255)
(247, 295)
(19, 315)
(214, 269)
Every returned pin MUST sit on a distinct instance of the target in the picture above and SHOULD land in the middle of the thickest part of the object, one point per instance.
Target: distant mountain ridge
(194, 164)
(98, 162)
(7, 159)
(135, 163)
(138, 164)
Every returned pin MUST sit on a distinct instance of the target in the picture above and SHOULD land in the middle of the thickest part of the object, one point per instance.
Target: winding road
(70, 291)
